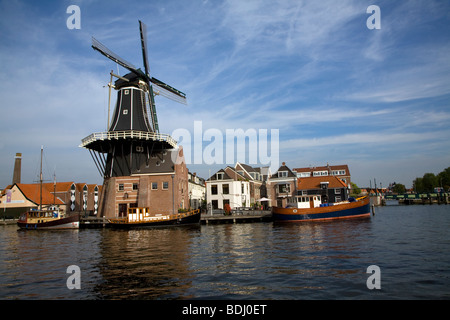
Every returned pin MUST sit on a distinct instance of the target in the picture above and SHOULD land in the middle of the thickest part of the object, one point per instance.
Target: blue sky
(377, 100)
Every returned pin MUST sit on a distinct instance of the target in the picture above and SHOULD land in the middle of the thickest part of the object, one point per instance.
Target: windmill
(132, 139)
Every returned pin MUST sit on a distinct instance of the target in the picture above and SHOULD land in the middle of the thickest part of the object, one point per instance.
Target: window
(165, 185)
(120, 186)
(225, 189)
(219, 176)
(215, 204)
(337, 191)
(135, 186)
(284, 188)
(154, 185)
(226, 201)
(214, 189)
(282, 174)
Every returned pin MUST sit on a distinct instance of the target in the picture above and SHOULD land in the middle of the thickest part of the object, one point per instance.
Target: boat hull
(357, 209)
(70, 222)
(179, 221)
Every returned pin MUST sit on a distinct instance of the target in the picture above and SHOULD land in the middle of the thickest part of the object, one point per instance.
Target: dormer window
(282, 174)
(219, 176)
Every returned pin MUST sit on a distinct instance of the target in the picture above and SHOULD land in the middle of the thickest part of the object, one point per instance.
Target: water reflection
(145, 263)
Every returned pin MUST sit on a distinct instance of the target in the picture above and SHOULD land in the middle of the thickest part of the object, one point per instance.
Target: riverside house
(281, 186)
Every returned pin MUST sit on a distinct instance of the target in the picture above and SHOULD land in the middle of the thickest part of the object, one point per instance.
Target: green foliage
(355, 189)
(429, 181)
(399, 188)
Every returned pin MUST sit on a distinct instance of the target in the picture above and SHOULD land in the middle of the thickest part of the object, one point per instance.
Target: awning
(263, 199)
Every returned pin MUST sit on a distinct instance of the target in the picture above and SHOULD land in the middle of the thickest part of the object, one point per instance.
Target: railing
(129, 134)
(126, 220)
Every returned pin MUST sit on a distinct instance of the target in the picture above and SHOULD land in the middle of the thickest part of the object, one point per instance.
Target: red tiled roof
(314, 182)
(60, 186)
(32, 193)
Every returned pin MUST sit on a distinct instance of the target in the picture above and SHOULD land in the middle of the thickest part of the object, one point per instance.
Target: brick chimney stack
(17, 168)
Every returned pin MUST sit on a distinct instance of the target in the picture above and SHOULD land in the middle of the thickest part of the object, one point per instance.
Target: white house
(197, 190)
(227, 186)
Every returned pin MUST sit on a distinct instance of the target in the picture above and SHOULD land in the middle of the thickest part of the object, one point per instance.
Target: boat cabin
(305, 202)
(143, 215)
(40, 216)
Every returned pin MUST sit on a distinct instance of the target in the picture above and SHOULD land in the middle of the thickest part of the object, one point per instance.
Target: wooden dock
(252, 216)
(93, 222)
(206, 219)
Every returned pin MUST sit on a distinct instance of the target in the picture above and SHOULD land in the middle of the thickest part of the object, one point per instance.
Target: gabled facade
(227, 186)
(256, 180)
(197, 190)
(69, 196)
(331, 189)
(21, 197)
(281, 186)
(78, 197)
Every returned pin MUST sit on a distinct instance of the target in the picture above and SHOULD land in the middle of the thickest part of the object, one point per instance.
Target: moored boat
(141, 217)
(310, 208)
(48, 220)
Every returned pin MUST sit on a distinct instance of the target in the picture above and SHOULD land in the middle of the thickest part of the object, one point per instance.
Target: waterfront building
(340, 171)
(257, 178)
(78, 197)
(20, 197)
(68, 196)
(239, 186)
(330, 188)
(162, 186)
(281, 186)
(227, 186)
(197, 190)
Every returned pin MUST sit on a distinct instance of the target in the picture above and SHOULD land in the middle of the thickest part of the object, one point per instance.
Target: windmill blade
(152, 108)
(167, 91)
(157, 90)
(97, 45)
(143, 31)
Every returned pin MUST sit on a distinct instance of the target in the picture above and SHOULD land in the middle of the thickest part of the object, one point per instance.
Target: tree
(418, 185)
(399, 188)
(430, 181)
(355, 189)
(444, 178)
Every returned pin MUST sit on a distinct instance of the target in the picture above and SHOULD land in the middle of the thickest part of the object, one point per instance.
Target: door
(123, 210)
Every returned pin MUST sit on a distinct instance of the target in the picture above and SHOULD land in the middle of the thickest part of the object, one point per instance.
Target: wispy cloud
(309, 68)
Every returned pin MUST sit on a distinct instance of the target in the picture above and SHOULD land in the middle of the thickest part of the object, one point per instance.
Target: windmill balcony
(129, 134)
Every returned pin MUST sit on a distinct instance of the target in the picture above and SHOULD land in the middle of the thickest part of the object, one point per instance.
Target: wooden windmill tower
(135, 159)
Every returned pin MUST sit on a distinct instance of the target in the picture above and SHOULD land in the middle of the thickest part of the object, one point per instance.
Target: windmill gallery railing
(129, 134)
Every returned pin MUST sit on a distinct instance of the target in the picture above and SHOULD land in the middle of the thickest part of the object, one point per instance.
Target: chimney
(17, 168)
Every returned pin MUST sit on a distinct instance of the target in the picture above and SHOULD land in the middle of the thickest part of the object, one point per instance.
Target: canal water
(409, 244)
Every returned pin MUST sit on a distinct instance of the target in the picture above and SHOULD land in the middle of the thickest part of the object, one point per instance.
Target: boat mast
(40, 180)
